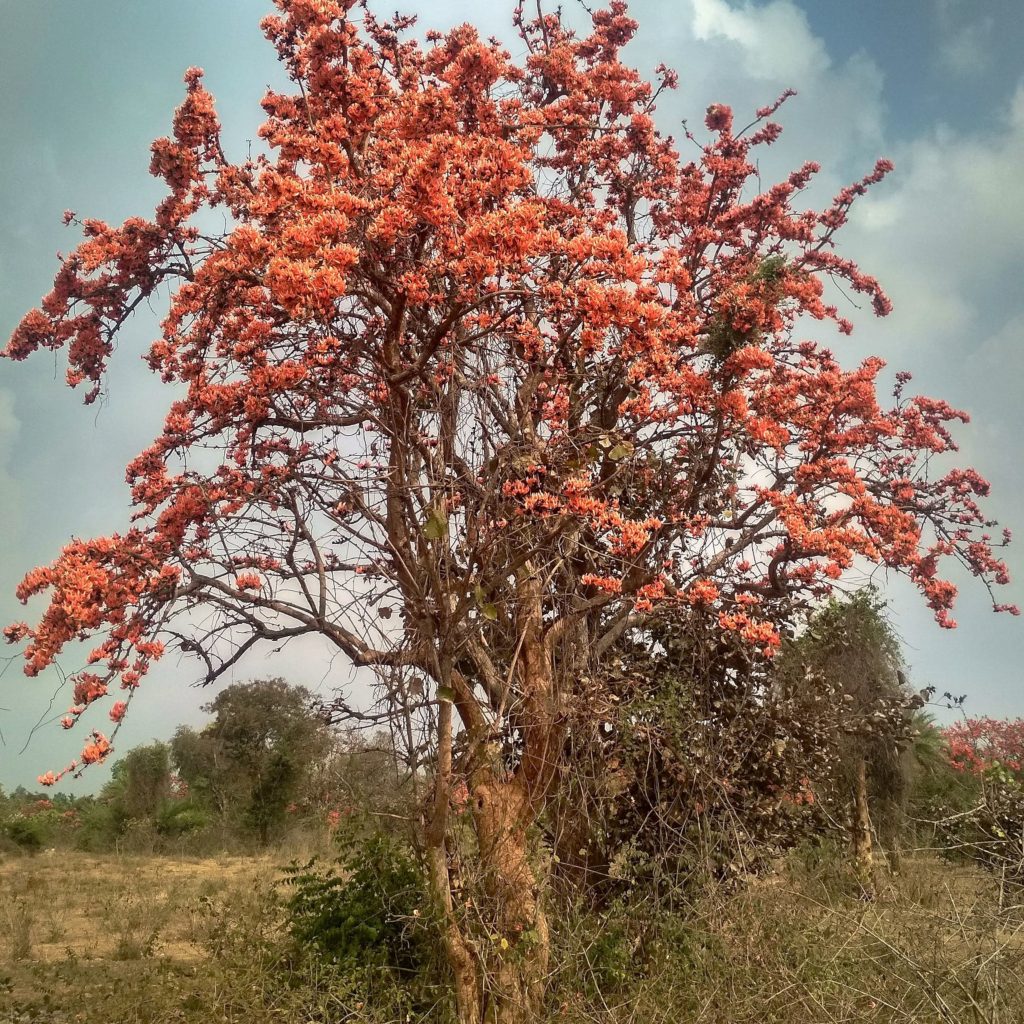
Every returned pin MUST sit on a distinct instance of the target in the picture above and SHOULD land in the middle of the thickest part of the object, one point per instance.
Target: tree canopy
(472, 323)
(264, 742)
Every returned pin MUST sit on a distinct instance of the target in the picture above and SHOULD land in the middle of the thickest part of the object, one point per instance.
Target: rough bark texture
(863, 857)
(461, 958)
(520, 939)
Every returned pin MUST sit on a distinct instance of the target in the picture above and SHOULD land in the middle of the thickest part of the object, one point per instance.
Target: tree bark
(460, 955)
(520, 941)
(461, 959)
(863, 857)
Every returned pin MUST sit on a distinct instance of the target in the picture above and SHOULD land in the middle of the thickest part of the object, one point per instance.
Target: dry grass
(135, 939)
(70, 904)
(155, 940)
(940, 944)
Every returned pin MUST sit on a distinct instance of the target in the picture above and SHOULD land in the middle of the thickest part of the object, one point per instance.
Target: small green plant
(610, 958)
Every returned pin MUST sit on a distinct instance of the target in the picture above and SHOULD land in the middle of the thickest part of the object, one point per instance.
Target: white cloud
(775, 39)
(946, 234)
(746, 55)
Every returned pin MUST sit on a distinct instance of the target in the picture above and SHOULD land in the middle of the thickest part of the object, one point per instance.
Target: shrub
(102, 824)
(992, 833)
(371, 909)
(29, 833)
(180, 818)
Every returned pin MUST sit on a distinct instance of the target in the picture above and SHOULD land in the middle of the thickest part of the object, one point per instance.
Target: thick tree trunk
(499, 970)
(500, 979)
(461, 957)
(863, 858)
(520, 942)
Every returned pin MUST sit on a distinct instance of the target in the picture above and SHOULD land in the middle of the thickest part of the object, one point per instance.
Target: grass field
(131, 938)
(158, 939)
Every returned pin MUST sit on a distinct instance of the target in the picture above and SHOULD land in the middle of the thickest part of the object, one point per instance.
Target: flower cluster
(977, 745)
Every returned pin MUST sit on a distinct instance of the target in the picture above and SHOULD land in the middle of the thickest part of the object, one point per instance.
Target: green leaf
(436, 527)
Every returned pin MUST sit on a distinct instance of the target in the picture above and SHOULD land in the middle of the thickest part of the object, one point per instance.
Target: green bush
(102, 824)
(29, 833)
(180, 818)
(370, 909)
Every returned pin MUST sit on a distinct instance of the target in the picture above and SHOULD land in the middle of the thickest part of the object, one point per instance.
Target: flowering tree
(977, 745)
(481, 376)
(986, 755)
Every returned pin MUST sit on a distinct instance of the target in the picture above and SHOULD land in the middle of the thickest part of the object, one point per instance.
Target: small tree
(937, 788)
(850, 649)
(365, 774)
(485, 375)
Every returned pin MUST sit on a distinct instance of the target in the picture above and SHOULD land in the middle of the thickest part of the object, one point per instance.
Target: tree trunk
(461, 957)
(499, 970)
(519, 947)
(863, 859)
(499, 979)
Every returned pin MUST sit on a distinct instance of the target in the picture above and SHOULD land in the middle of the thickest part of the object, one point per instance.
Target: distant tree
(939, 785)
(975, 797)
(254, 757)
(141, 780)
(202, 765)
(977, 745)
(366, 774)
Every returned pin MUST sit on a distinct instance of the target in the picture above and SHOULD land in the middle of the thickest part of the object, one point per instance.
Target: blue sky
(937, 85)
